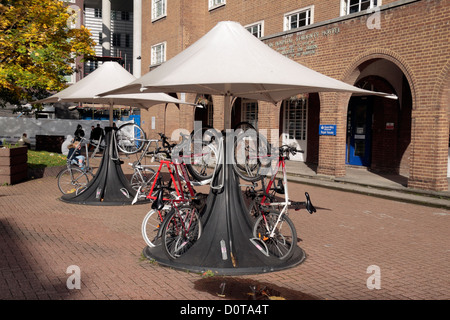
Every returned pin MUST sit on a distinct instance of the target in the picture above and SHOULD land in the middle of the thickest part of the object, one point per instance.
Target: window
(158, 53)
(295, 115)
(158, 9)
(127, 40)
(352, 6)
(97, 12)
(256, 29)
(116, 39)
(212, 4)
(299, 18)
(125, 15)
(250, 112)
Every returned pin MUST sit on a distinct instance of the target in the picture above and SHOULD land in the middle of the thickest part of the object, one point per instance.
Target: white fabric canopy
(109, 76)
(228, 60)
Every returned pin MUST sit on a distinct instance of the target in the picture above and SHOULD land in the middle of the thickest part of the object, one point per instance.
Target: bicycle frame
(286, 202)
(87, 168)
(177, 167)
(281, 163)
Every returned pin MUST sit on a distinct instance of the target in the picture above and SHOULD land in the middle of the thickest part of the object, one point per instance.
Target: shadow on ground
(232, 288)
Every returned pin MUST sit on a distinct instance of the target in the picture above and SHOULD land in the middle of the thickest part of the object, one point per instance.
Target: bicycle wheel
(130, 138)
(242, 127)
(72, 180)
(182, 228)
(282, 242)
(142, 178)
(204, 154)
(152, 226)
(250, 154)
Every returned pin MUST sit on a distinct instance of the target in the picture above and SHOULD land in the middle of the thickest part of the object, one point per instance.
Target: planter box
(13, 165)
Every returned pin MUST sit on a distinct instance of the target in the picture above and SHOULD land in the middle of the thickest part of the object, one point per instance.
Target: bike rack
(226, 246)
(109, 187)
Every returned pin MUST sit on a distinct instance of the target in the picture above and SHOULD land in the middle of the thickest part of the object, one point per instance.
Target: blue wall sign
(327, 129)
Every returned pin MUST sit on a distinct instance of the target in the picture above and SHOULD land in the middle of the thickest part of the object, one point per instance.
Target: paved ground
(41, 237)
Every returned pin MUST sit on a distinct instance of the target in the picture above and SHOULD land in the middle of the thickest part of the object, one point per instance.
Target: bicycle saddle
(309, 206)
(158, 204)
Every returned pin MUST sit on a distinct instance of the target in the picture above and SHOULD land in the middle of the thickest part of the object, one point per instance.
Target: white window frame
(153, 57)
(249, 112)
(345, 7)
(156, 15)
(287, 17)
(259, 25)
(212, 4)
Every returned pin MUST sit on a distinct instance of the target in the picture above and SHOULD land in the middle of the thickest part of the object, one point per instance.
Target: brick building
(399, 47)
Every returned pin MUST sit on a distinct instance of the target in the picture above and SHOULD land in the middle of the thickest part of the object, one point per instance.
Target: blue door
(359, 131)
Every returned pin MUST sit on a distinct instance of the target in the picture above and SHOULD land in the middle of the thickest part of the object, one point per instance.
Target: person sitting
(24, 141)
(65, 145)
(75, 154)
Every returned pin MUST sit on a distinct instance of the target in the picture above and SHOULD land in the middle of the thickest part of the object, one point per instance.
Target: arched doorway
(379, 129)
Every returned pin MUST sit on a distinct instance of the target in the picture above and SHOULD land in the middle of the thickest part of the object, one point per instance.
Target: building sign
(327, 130)
(302, 43)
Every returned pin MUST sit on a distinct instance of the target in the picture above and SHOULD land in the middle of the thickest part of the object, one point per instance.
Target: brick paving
(41, 236)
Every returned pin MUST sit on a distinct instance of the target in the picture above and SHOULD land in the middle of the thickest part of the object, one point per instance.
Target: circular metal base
(242, 268)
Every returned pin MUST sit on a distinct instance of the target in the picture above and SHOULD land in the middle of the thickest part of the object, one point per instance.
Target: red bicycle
(174, 220)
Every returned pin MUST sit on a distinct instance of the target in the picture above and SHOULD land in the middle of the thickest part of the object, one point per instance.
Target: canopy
(109, 187)
(228, 60)
(109, 76)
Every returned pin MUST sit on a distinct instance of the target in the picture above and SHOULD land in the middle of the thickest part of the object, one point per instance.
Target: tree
(37, 48)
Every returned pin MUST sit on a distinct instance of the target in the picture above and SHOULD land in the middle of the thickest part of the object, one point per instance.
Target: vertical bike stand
(226, 246)
(109, 187)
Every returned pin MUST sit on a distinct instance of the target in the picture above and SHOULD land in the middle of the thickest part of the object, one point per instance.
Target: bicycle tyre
(283, 243)
(143, 179)
(249, 147)
(130, 138)
(176, 242)
(242, 127)
(72, 179)
(152, 226)
(203, 166)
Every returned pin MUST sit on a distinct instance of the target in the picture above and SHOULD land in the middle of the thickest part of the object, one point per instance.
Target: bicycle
(130, 138)
(251, 153)
(175, 216)
(143, 173)
(74, 178)
(270, 235)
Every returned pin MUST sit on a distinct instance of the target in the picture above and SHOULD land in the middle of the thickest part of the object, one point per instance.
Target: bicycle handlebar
(285, 150)
(165, 142)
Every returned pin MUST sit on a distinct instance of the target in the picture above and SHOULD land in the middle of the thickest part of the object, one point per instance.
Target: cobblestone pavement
(41, 237)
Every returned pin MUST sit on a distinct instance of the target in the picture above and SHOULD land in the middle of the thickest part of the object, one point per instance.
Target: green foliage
(41, 159)
(37, 48)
